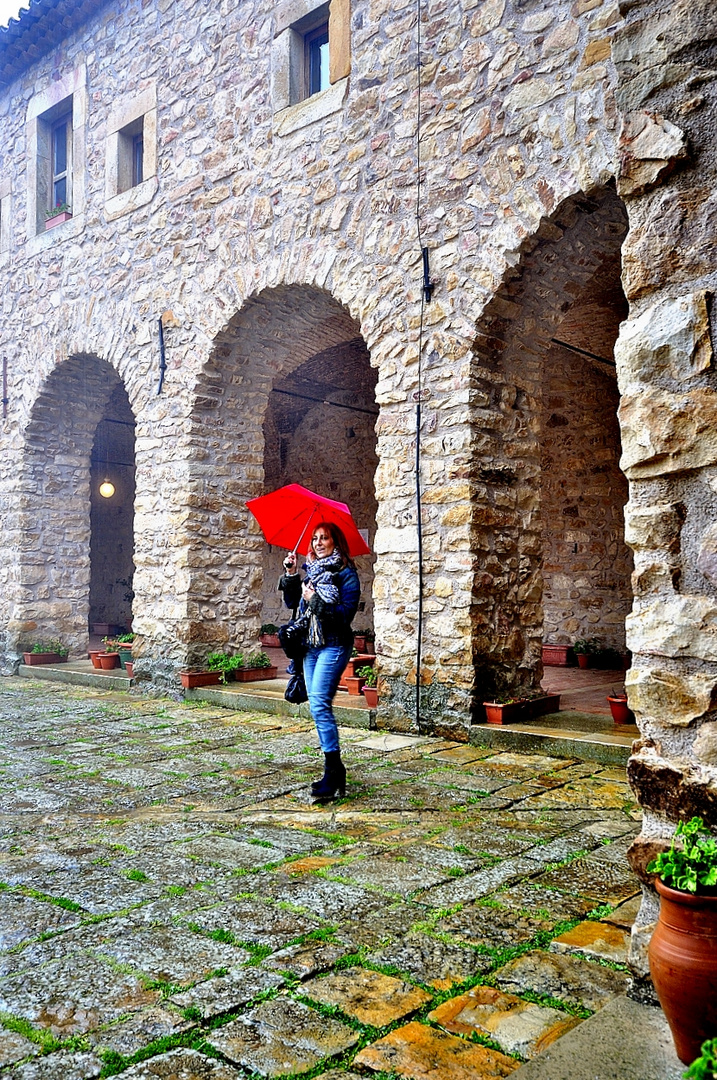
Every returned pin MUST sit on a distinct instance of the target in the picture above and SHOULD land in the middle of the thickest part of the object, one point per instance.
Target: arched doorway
(287, 396)
(60, 445)
(552, 564)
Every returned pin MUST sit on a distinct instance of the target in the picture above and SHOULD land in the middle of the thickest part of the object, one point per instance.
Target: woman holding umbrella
(327, 600)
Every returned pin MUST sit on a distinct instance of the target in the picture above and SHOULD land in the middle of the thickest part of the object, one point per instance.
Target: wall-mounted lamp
(107, 489)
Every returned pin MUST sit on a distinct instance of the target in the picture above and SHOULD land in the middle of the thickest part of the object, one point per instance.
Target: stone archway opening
(551, 562)
(52, 597)
(288, 395)
(112, 517)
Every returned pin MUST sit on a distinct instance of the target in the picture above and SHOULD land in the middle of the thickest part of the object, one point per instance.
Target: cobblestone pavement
(173, 905)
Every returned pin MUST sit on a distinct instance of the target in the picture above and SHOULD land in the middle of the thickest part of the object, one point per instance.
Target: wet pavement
(173, 904)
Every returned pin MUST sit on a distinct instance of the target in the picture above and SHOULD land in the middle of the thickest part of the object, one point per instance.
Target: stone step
(622, 1041)
(563, 734)
(80, 673)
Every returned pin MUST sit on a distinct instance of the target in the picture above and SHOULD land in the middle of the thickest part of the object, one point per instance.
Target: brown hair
(338, 538)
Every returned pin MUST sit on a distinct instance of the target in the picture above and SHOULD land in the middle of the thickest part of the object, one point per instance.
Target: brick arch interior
(256, 428)
(52, 592)
(547, 524)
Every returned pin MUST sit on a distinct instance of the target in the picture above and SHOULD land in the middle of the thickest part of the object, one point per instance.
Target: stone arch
(52, 586)
(543, 360)
(278, 342)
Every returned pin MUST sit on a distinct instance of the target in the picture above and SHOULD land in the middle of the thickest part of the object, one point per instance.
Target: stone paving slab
(23, 917)
(255, 921)
(565, 977)
(307, 959)
(224, 993)
(368, 996)
(493, 927)
(430, 960)
(604, 882)
(519, 1027)
(282, 1036)
(598, 939)
(15, 1047)
(70, 999)
(171, 954)
(474, 886)
(182, 1065)
(135, 1032)
(424, 1053)
(62, 1066)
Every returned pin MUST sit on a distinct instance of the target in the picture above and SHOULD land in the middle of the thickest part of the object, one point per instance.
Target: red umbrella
(289, 516)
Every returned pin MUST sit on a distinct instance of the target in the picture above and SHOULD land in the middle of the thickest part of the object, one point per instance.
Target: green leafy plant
(705, 1067)
(268, 628)
(257, 660)
(125, 639)
(225, 663)
(59, 208)
(368, 675)
(52, 646)
(691, 862)
(588, 646)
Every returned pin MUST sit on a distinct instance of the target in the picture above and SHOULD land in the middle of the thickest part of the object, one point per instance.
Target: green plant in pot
(683, 948)
(586, 649)
(123, 644)
(705, 1066)
(225, 663)
(370, 684)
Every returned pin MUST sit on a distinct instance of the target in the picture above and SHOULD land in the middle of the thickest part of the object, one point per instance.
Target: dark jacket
(335, 619)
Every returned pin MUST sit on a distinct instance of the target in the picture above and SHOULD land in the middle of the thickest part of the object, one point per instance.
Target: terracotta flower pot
(354, 684)
(556, 655)
(683, 965)
(584, 660)
(190, 679)
(94, 657)
(33, 658)
(270, 641)
(255, 674)
(129, 668)
(108, 660)
(621, 712)
(511, 713)
(371, 695)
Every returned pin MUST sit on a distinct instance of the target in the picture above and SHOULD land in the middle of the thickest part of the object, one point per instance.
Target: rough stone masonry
(567, 165)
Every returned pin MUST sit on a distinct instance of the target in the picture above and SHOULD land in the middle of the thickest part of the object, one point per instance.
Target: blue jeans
(322, 670)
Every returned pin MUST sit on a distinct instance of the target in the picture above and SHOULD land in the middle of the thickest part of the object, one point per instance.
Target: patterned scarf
(321, 573)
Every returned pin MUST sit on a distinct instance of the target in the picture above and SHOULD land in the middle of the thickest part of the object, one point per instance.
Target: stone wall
(268, 236)
(667, 92)
(586, 565)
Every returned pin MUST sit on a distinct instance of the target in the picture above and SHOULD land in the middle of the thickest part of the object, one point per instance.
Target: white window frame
(130, 115)
(68, 95)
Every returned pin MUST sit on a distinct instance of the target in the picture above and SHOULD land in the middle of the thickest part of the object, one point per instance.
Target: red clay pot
(93, 655)
(31, 659)
(371, 695)
(129, 668)
(583, 660)
(683, 965)
(255, 674)
(621, 712)
(354, 684)
(190, 679)
(108, 660)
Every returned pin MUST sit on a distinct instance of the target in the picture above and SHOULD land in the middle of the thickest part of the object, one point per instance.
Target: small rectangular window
(59, 158)
(137, 159)
(316, 62)
(130, 150)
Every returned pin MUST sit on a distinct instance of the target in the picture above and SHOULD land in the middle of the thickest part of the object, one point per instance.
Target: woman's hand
(290, 563)
(307, 591)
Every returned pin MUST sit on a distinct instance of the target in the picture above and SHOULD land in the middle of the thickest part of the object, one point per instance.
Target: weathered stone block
(670, 338)
(665, 433)
(670, 697)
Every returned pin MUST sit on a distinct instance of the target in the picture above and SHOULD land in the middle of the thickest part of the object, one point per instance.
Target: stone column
(666, 95)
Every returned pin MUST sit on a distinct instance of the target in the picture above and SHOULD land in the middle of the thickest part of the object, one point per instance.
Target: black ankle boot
(333, 781)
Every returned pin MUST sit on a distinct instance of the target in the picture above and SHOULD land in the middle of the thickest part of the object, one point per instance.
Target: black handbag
(296, 690)
(292, 638)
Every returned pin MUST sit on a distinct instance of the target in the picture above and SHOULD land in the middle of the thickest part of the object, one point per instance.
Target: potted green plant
(46, 652)
(521, 705)
(705, 1066)
(124, 648)
(621, 711)
(586, 649)
(370, 685)
(268, 636)
(256, 666)
(683, 949)
(227, 664)
(57, 214)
